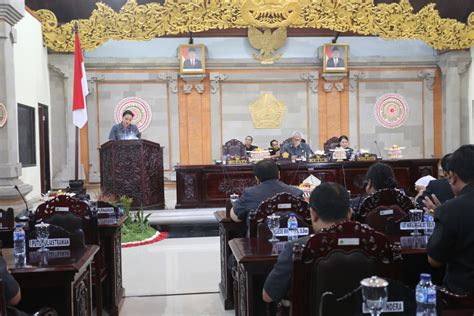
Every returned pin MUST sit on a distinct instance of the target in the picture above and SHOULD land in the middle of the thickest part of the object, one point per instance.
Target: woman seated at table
(344, 143)
(379, 176)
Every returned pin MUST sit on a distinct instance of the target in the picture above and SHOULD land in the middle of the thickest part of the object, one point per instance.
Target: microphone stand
(28, 214)
(378, 150)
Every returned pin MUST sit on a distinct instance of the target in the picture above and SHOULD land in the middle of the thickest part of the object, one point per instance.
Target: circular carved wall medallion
(141, 112)
(391, 110)
(3, 115)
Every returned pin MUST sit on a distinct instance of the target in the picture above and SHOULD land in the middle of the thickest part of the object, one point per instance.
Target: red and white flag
(79, 108)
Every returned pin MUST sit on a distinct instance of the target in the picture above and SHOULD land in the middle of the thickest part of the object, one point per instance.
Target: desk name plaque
(53, 242)
(318, 158)
(105, 210)
(390, 307)
(283, 232)
(366, 157)
(416, 225)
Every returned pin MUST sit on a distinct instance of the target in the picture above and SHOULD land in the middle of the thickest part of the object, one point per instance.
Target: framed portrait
(335, 57)
(192, 59)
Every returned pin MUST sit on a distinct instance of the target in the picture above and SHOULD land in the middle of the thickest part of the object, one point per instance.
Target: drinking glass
(42, 234)
(273, 222)
(415, 217)
(374, 294)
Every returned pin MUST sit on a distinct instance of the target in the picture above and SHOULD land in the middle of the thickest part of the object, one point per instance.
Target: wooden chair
(281, 204)
(234, 147)
(384, 209)
(351, 303)
(335, 260)
(72, 214)
(449, 303)
(7, 218)
(331, 143)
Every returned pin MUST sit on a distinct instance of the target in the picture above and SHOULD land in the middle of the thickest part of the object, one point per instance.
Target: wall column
(11, 11)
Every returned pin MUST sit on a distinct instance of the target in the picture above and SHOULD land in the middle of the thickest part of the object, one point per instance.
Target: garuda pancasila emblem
(267, 42)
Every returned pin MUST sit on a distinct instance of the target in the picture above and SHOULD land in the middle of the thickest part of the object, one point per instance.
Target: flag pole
(76, 146)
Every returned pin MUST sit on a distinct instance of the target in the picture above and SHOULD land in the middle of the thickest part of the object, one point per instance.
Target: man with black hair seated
(329, 204)
(267, 174)
(452, 241)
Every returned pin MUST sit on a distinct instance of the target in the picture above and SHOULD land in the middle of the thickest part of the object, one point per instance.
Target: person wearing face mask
(344, 143)
(125, 129)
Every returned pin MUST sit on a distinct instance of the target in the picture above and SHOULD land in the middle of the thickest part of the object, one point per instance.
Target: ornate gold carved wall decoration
(267, 42)
(145, 22)
(267, 111)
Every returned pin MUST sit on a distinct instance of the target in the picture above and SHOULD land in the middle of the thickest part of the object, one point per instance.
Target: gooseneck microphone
(378, 149)
(24, 200)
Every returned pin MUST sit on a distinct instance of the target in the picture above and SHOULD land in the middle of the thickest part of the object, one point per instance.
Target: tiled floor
(176, 276)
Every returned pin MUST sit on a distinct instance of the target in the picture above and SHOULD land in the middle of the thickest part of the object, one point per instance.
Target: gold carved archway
(145, 22)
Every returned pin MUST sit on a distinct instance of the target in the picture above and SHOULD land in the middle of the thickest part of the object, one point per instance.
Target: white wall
(32, 84)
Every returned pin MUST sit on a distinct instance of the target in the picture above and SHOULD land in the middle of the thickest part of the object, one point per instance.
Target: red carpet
(155, 238)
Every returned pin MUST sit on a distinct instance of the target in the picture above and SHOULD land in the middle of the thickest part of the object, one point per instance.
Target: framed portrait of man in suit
(335, 57)
(192, 59)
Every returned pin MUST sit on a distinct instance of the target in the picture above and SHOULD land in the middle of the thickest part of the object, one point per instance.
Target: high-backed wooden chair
(331, 143)
(234, 147)
(384, 209)
(351, 303)
(7, 218)
(281, 204)
(449, 303)
(335, 260)
(73, 215)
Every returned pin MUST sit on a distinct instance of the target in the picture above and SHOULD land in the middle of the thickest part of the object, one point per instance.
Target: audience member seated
(297, 148)
(268, 184)
(344, 143)
(440, 188)
(329, 204)
(274, 149)
(452, 241)
(248, 144)
(10, 286)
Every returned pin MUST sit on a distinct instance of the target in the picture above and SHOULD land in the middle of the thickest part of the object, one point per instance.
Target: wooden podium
(133, 168)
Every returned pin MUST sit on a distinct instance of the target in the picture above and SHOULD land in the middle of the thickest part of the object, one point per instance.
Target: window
(26, 135)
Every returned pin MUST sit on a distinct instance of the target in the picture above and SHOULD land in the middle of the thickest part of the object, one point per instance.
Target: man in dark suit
(452, 241)
(192, 62)
(440, 188)
(335, 61)
(266, 173)
(329, 204)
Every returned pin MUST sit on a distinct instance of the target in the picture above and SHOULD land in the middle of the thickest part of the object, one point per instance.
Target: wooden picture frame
(190, 65)
(335, 57)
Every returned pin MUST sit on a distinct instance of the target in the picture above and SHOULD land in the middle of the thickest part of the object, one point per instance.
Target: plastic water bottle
(425, 296)
(19, 243)
(292, 227)
(427, 217)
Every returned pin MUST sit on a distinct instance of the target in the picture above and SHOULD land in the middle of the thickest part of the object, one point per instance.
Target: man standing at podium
(125, 129)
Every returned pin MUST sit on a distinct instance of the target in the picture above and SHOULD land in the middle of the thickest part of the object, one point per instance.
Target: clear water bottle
(19, 242)
(292, 227)
(428, 218)
(425, 296)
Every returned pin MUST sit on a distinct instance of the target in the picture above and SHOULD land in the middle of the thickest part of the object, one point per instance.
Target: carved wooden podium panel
(133, 168)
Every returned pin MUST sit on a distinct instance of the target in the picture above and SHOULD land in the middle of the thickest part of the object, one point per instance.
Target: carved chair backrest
(386, 219)
(386, 198)
(281, 204)
(331, 143)
(335, 260)
(234, 147)
(7, 218)
(69, 213)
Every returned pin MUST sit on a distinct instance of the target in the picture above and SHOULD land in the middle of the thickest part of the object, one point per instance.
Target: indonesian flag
(79, 108)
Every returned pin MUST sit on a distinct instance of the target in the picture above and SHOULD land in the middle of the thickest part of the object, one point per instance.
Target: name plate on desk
(107, 221)
(318, 158)
(237, 162)
(413, 242)
(61, 209)
(390, 307)
(53, 242)
(105, 210)
(302, 231)
(52, 254)
(366, 157)
(416, 225)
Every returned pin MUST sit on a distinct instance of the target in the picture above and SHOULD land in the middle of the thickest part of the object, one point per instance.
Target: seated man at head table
(274, 148)
(267, 174)
(329, 204)
(297, 148)
(440, 188)
(248, 144)
(452, 241)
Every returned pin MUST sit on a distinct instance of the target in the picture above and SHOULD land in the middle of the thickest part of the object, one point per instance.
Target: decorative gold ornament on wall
(267, 42)
(267, 111)
(145, 22)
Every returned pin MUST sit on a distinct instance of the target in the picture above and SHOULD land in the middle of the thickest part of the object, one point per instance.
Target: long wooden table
(256, 258)
(200, 186)
(58, 278)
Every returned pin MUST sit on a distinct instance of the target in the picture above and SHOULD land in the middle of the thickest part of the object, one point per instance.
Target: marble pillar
(11, 11)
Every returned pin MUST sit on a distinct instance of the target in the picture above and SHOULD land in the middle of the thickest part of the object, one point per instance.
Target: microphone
(23, 217)
(378, 149)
